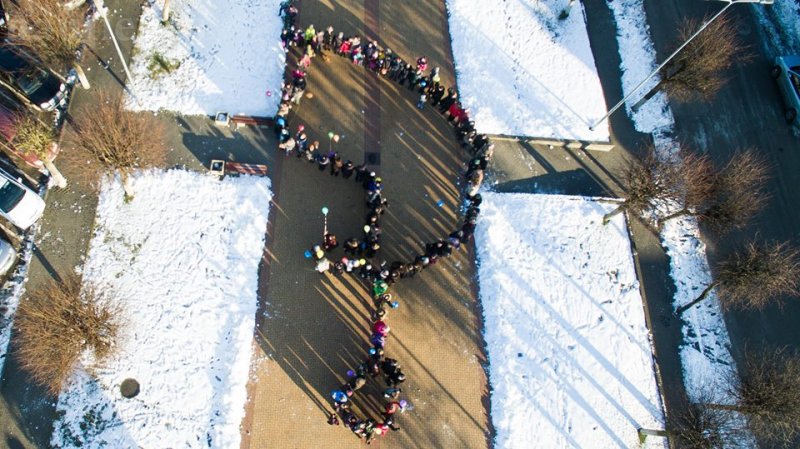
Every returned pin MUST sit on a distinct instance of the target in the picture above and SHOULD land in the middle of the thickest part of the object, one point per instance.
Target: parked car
(19, 204)
(36, 86)
(787, 74)
(8, 256)
(8, 132)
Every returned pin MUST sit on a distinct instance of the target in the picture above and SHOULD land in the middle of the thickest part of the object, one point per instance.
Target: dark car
(786, 72)
(19, 73)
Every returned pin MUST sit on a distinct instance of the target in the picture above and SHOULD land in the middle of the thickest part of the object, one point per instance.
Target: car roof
(10, 60)
(790, 60)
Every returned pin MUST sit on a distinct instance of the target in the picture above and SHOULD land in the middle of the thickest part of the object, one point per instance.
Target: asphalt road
(747, 113)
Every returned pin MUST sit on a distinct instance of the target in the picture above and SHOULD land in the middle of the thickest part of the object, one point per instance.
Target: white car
(19, 204)
(8, 255)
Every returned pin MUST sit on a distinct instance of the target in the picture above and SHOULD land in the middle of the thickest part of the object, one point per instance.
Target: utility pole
(101, 8)
(675, 53)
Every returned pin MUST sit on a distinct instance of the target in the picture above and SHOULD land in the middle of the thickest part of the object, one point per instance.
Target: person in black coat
(448, 101)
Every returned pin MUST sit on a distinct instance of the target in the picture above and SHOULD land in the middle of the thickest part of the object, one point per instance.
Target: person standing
(323, 161)
(336, 165)
(347, 169)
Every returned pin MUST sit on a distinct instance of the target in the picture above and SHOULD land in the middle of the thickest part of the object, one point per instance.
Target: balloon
(403, 403)
(350, 373)
(395, 304)
(307, 254)
(339, 396)
(366, 228)
(335, 137)
(324, 211)
(330, 135)
(371, 351)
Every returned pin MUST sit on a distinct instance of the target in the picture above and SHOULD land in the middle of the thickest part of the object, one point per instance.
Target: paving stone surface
(313, 328)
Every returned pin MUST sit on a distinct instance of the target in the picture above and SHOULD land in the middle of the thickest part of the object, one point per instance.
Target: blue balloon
(371, 351)
(339, 396)
(395, 304)
(324, 211)
(307, 254)
(350, 373)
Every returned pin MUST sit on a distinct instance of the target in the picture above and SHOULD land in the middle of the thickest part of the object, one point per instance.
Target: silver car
(8, 255)
(787, 74)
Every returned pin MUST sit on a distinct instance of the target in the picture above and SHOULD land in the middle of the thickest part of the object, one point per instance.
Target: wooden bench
(237, 168)
(241, 120)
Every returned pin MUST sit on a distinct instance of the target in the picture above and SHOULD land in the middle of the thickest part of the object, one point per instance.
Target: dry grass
(56, 323)
(49, 30)
(33, 136)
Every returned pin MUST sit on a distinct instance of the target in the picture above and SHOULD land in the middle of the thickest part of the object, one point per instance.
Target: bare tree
(726, 199)
(751, 277)
(119, 140)
(700, 426)
(36, 138)
(768, 394)
(53, 33)
(738, 192)
(699, 69)
(655, 183)
(56, 323)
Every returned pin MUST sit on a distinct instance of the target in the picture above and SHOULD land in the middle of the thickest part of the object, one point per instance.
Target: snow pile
(705, 353)
(570, 361)
(706, 339)
(13, 290)
(182, 258)
(214, 55)
(638, 60)
(522, 71)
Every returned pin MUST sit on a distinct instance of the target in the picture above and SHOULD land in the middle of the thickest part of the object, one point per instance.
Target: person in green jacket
(310, 34)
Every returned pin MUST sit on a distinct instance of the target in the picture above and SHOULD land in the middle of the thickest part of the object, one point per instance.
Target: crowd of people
(361, 254)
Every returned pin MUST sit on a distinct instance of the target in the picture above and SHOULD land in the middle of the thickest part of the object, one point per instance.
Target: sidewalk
(315, 327)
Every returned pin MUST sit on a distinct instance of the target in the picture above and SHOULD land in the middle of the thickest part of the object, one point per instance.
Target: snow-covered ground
(570, 362)
(780, 25)
(12, 291)
(522, 71)
(225, 55)
(182, 259)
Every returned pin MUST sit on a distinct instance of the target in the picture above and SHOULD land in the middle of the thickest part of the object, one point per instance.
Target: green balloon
(330, 135)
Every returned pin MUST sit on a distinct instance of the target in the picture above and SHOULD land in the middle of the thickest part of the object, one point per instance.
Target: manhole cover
(129, 388)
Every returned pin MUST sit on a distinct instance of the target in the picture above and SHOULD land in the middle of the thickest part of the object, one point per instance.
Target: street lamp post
(669, 58)
(101, 8)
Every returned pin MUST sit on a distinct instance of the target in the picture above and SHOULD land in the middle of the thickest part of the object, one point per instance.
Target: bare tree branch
(699, 69)
(738, 193)
(52, 32)
(768, 392)
(119, 140)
